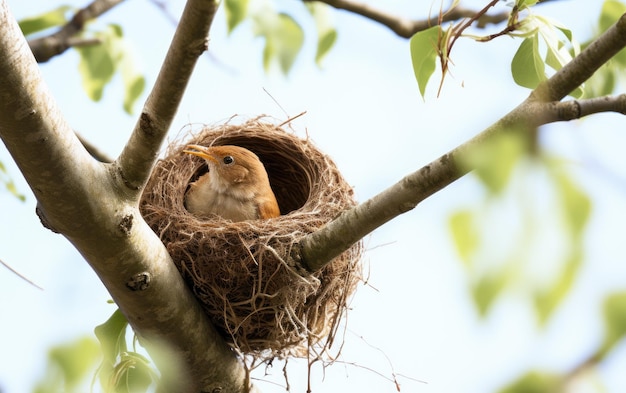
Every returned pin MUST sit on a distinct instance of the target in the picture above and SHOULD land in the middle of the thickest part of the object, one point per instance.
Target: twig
(20, 275)
(406, 28)
(45, 48)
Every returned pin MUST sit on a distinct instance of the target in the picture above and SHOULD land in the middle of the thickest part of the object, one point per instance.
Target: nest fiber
(256, 295)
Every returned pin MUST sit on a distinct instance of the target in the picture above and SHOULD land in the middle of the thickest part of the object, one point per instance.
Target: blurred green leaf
(535, 382)
(68, 366)
(494, 160)
(236, 12)
(465, 234)
(527, 65)
(575, 204)
(611, 11)
(424, 50)
(614, 320)
(547, 301)
(604, 81)
(99, 63)
(53, 18)
(486, 289)
(133, 374)
(326, 33)
(325, 42)
(9, 184)
(521, 4)
(134, 83)
(283, 38)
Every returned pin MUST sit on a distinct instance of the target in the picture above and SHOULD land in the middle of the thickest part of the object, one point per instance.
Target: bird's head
(234, 167)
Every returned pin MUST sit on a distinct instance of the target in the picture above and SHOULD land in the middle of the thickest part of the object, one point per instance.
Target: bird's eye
(228, 160)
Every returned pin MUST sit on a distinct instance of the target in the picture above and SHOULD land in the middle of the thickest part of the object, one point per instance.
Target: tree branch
(89, 204)
(406, 28)
(318, 248)
(93, 150)
(189, 42)
(576, 109)
(47, 47)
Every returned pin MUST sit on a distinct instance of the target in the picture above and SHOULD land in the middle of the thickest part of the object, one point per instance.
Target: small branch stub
(126, 224)
(139, 282)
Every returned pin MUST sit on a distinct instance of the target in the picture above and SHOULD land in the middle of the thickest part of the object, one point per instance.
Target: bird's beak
(200, 151)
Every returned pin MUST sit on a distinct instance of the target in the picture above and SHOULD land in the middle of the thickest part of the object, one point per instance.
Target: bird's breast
(204, 198)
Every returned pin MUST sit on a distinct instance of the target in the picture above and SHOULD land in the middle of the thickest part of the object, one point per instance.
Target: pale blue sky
(364, 110)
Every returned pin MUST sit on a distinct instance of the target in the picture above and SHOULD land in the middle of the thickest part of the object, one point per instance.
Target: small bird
(236, 187)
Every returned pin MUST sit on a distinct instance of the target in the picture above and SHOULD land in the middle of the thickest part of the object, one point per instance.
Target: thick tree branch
(318, 248)
(406, 28)
(88, 203)
(189, 42)
(47, 47)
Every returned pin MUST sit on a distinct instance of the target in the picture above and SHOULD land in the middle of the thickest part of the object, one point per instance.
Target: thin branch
(189, 42)
(47, 47)
(93, 150)
(405, 27)
(577, 109)
(20, 275)
(318, 248)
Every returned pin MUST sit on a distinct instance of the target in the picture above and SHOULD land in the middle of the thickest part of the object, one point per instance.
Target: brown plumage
(236, 187)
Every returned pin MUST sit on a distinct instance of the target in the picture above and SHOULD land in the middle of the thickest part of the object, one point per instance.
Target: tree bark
(94, 205)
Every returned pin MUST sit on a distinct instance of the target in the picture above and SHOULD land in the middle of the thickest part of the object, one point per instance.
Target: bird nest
(261, 300)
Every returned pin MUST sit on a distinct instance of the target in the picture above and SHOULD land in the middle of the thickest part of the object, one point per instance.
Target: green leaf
(521, 4)
(614, 320)
(602, 82)
(575, 204)
(527, 65)
(546, 301)
(9, 184)
(486, 289)
(424, 50)
(75, 360)
(53, 18)
(494, 160)
(283, 38)
(133, 374)
(134, 82)
(111, 335)
(97, 64)
(236, 12)
(326, 33)
(465, 234)
(611, 11)
(325, 42)
(535, 382)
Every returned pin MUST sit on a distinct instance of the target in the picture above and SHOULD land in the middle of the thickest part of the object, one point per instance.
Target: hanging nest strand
(264, 304)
